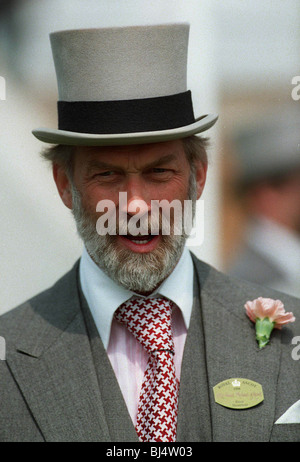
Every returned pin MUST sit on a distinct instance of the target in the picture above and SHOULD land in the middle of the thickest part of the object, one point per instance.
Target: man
(269, 186)
(131, 343)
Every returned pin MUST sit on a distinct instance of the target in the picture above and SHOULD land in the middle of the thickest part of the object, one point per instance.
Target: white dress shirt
(127, 356)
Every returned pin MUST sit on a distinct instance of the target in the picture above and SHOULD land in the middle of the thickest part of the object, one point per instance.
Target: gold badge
(237, 393)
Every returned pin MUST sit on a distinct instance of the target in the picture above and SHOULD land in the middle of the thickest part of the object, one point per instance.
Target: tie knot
(149, 320)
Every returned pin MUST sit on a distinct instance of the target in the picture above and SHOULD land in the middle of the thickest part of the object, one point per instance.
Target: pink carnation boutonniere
(267, 314)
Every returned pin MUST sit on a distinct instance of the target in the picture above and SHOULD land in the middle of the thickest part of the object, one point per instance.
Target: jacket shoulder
(235, 292)
(47, 303)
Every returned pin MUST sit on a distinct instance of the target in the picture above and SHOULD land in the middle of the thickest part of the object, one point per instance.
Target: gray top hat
(270, 147)
(123, 85)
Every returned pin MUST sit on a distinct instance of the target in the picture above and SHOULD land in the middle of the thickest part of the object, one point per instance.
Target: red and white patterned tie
(149, 320)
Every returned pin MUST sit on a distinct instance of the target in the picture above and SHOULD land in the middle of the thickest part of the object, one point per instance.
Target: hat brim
(55, 136)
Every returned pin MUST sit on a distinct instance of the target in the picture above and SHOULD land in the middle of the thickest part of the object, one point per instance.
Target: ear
(63, 185)
(201, 171)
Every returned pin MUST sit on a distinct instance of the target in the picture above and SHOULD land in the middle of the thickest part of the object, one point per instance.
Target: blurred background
(242, 59)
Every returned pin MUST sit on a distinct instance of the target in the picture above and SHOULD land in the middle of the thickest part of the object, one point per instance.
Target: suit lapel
(232, 351)
(53, 366)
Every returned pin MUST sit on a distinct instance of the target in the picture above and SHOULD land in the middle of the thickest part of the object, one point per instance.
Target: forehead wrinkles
(133, 157)
(133, 160)
(85, 157)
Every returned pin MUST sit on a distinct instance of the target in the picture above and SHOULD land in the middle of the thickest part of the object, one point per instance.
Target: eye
(159, 174)
(159, 170)
(106, 173)
(106, 176)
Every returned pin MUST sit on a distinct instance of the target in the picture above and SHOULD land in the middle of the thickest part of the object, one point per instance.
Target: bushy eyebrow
(161, 161)
(97, 164)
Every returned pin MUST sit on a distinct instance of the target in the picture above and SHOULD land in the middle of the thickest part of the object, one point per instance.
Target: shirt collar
(104, 296)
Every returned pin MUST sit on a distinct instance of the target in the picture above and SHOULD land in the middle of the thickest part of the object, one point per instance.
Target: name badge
(237, 393)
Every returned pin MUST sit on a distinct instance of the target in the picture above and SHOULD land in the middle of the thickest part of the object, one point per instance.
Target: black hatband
(126, 116)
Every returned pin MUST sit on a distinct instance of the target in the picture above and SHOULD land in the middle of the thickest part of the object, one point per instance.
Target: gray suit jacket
(57, 383)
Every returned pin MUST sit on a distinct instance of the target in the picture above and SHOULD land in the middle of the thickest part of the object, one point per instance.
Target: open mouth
(140, 239)
(140, 243)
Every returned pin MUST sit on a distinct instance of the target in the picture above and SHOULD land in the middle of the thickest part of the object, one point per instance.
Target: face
(145, 173)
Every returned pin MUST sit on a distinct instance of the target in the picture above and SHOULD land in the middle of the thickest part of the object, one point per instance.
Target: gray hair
(60, 154)
(195, 148)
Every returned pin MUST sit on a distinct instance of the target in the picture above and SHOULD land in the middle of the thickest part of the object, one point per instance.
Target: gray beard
(140, 273)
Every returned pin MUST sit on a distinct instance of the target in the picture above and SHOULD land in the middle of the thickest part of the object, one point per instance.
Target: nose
(135, 199)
